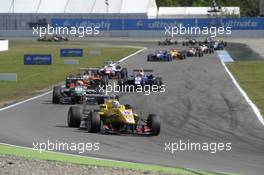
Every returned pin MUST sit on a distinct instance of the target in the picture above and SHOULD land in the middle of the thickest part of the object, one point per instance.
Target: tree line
(248, 8)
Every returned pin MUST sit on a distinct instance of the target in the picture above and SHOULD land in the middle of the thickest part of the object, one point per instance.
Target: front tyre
(74, 117)
(93, 122)
(56, 95)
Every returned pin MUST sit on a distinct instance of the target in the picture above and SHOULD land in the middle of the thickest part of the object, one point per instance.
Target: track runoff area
(206, 120)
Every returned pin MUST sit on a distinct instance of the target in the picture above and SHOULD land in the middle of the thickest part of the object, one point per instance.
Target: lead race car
(112, 118)
(168, 41)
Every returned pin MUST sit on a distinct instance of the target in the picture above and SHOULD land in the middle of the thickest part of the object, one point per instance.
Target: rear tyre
(124, 73)
(100, 100)
(153, 122)
(128, 106)
(104, 81)
(56, 95)
(94, 122)
(158, 81)
(74, 117)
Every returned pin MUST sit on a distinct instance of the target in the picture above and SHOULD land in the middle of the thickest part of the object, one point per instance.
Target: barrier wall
(149, 28)
(3, 45)
(159, 24)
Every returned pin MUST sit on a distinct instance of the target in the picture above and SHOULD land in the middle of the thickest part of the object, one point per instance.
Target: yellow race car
(177, 54)
(113, 118)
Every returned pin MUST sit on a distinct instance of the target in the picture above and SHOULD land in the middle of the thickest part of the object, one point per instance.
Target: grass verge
(249, 74)
(32, 79)
(53, 156)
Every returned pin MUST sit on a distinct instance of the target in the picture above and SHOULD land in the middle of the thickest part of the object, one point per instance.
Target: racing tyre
(94, 122)
(118, 67)
(118, 75)
(104, 81)
(158, 81)
(124, 73)
(153, 122)
(56, 95)
(74, 117)
(128, 106)
(120, 82)
(149, 58)
(100, 100)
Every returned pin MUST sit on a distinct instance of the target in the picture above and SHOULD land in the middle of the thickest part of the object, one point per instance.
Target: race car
(141, 78)
(72, 94)
(113, 118)
(53, 38)
(194, 52)
(216, 44)
(93, 77)
(168, 41)
(113, 70)
(161, 55)
(191, 42)
(76, 88)
(206, 48)
(177, 54)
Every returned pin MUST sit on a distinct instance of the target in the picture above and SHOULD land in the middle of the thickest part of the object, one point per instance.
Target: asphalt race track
(201, 104)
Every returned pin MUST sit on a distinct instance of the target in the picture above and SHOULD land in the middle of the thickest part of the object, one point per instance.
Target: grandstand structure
(197, 12)
(23, 14)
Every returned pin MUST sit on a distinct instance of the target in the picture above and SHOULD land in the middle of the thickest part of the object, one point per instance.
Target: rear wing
(74, 78)
(111, 62)
(90, 68)
(84, 70)
(145, 70)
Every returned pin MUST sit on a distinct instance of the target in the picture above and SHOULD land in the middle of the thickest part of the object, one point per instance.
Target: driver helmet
(79, 83)
(141, 72)
(115, 104)
(86, 76)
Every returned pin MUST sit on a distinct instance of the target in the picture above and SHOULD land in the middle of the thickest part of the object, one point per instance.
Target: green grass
(52, 156)
(250, 75)
(31, 79)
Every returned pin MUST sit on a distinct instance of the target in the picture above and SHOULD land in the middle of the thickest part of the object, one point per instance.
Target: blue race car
(141, 79)
(161, 55)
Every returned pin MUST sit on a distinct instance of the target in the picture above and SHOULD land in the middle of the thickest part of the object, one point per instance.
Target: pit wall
(152, 28)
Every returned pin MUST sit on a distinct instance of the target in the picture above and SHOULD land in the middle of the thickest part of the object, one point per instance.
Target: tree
(247, 7)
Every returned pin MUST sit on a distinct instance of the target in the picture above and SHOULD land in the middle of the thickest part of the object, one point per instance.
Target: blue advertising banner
(156, 24)
(31, 59)
(160, 24)
(103, 24)
(71, 52)
(234, 23)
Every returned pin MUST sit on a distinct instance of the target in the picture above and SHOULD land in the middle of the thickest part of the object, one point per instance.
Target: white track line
(251, 104)
(133, 54)
(30, 99)
(46, 93)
